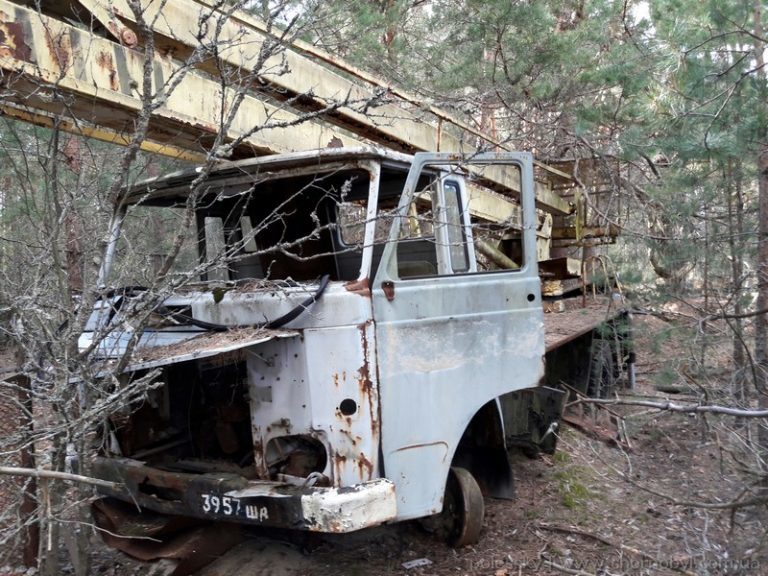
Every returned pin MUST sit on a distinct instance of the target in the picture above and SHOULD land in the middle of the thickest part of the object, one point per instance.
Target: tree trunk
(28, 508)
(736, 247)
(761, 321)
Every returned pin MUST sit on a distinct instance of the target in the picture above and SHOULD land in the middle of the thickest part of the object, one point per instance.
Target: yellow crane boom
(84, 60)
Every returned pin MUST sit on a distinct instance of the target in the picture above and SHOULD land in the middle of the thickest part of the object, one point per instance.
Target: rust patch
(424, 445)
(105, 61)
(364, 467)
(126, 36)
(365, 384)
(338, 465)
(389, 289)
(59, 48)
(353, 439)
(344, 419)
(259, 462)
(284, 423)
(12, 43)
(143, 476)
(360, 287)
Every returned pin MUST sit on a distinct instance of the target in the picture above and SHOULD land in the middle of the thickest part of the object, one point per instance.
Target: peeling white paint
(349, 509)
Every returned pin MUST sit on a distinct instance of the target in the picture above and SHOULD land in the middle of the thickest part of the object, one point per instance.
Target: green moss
(573, 492)
(561, 457)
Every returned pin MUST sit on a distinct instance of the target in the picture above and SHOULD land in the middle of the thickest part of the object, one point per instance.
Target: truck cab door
(450, 335)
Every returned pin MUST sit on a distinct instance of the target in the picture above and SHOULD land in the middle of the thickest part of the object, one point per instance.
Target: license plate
(230, 507)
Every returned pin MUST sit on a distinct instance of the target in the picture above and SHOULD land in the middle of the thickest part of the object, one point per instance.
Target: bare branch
(56, 475)
(672, 407)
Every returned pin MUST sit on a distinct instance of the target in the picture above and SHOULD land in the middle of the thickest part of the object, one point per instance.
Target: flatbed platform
(563, 327)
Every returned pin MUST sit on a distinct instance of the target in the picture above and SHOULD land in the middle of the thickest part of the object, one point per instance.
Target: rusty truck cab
(342, 358)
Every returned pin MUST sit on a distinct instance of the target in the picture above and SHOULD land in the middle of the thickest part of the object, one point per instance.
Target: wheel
(461, 520)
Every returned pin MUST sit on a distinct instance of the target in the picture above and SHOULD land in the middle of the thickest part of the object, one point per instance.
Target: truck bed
(576, 320)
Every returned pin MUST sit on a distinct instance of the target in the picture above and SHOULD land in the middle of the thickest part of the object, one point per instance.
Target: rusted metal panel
(106, 16)
(203, 345)
(242, 40)
(337, 307)
(82, 128)
(444, 365)
(322, 386)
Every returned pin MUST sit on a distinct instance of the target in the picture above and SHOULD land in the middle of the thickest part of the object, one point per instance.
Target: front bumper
(234, 498)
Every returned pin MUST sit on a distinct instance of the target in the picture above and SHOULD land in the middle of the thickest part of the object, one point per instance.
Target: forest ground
(591, 508)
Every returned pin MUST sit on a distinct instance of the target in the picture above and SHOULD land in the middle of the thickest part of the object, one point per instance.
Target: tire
(460, 522)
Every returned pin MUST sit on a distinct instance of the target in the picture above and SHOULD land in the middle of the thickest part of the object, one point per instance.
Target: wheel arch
(482, 451)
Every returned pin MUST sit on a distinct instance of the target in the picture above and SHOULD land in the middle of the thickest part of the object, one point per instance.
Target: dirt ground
(592, 508)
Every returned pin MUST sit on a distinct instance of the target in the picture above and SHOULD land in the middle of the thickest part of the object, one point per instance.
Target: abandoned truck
(345, 356)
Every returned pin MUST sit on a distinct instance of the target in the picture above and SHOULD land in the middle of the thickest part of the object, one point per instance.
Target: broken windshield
(251, 228)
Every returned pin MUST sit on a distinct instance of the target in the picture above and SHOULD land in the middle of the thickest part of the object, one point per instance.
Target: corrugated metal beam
(570, 232)
(53, 67)
(177, 31)
(240, 38)
(493, 207)
(96, 132)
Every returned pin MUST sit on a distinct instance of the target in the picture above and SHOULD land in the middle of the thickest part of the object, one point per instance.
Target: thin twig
(54, 475)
